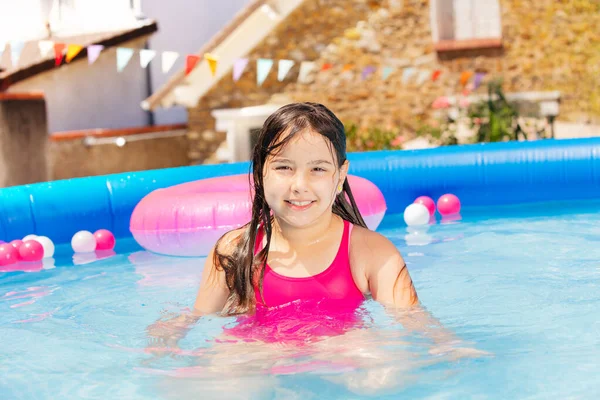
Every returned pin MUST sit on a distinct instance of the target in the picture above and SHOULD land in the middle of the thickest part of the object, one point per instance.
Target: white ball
(83, 242)
(29, 237)
(416, 214)
(47, 244)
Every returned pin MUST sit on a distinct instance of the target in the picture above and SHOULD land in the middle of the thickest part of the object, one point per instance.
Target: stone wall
(547, 45)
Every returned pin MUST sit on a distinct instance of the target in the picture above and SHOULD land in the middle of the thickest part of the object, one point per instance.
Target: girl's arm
(211, 297)
(390, 284)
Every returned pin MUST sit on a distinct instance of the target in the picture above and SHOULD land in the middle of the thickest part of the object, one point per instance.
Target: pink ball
(31, 250)
(448, 204)
(8, 254)
(427, 202)
(105, 240)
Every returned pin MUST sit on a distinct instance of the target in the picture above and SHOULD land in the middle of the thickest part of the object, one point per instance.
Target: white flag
(168, 60)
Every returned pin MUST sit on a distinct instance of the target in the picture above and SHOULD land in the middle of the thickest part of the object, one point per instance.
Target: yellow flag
(72, 51)
(212, 62)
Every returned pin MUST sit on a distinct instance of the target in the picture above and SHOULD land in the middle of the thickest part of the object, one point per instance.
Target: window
(475, 23)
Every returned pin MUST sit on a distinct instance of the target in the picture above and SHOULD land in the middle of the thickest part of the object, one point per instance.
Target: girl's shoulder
(230, 240)
(369, 246)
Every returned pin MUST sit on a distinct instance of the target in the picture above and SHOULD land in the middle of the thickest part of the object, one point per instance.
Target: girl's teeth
(300, 203)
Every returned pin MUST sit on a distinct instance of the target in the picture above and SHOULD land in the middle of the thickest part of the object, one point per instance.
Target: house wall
(71, 158)
(82, 96)
(23, 140)
(547, 45)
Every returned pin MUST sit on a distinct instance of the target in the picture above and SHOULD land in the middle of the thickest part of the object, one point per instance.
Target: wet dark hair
(241, 265)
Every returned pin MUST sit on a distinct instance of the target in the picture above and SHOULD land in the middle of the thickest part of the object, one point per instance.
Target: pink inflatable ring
(188, 219)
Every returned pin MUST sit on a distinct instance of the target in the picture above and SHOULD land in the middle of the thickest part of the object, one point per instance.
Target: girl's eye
(282, 168)
(318, 169)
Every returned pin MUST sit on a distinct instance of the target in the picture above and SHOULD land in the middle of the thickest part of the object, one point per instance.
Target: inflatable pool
(482, 175)
(188, 219)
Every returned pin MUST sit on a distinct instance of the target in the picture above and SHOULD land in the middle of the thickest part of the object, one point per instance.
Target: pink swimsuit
(302, 309)
(334, 283)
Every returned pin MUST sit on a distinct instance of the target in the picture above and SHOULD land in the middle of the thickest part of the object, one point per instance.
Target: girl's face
(301, 181)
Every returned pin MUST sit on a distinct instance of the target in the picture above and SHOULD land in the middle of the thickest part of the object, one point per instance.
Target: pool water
(520, 283)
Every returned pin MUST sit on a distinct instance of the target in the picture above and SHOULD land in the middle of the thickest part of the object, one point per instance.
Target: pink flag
(238, 68)
(93, 51)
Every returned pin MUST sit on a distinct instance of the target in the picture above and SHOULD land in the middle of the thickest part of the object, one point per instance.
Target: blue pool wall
(480, 175)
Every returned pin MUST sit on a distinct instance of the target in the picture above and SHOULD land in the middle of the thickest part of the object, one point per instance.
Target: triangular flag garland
(464, 77)
(46, 47)
(385, 72)
(146, 56)
(284, 68)
(15, 52)
(306, 68)
(238, 68)
(72, 51)
(93, 51)
(263, 66)
(124, 54)
(168, 60)
(407, 73)
(190, 63)
(367, 71)
(59, 50)
(212, 61)
(477, 80)
(468, 80)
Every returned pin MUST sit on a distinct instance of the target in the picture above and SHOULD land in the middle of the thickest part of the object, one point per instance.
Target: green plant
(371, 138)
(495, 119)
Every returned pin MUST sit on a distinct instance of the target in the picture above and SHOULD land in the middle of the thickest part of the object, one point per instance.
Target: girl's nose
(299, 184)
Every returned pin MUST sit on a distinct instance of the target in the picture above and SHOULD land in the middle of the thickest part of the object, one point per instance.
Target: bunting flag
(407, 73)
(124, 54)
(146, 56)
(469, 80)
(93, 51)
(168, 60)
(385, 73)
(46, 47)
(464, 77)
(191, 61)
(347, 67)
(306, 67)
(72, 51)
(263, 66)
(423, 76)
(59, 50)
(477, 80)
(238, 68)
(284, 68)
(367, 71)
(16, 48)
(212, 61)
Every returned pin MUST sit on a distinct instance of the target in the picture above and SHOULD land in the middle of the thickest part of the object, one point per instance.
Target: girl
(307, 239)
(306, 244)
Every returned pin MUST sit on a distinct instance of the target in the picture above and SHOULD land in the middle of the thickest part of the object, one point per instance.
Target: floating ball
(448, 204)
(31, 250)
(427, 202)
(29, 237)
(83, 242)
(416, 214)
(16, 243)
(8, 254)
(47, 244)
(105, 240)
